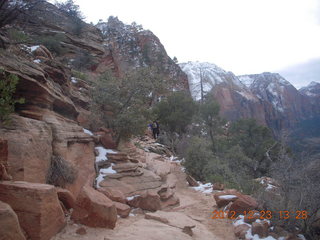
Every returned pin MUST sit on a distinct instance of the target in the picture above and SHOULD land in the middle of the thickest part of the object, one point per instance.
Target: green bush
(123, 103)
(53, 43)
(17, 36)
(175, 113)
(8, 83)
(79, 74)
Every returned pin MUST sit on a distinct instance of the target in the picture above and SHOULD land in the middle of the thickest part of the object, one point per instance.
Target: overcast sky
(242, 36)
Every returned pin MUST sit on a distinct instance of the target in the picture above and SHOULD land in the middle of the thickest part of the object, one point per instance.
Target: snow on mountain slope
(235, 99)
(312, 90)
(211, 76)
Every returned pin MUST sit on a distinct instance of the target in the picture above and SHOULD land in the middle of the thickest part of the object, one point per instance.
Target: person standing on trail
(155, 129)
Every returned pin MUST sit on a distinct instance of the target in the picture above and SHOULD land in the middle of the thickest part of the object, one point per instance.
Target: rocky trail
(189, 219)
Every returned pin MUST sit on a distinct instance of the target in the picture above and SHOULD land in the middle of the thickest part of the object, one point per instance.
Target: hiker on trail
(155, 129)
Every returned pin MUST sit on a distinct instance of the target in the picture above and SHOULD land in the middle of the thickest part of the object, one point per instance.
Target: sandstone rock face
(224, 200)
(66, 197)
(133, 185)
(266, 97)
(289, 106)
(10, 227)
(244, 203)
(113, 194)
(29, 149)
(37, 207)
(123, 210)
(149, 200)
(235, 99)
(144, 45)
(94, 209)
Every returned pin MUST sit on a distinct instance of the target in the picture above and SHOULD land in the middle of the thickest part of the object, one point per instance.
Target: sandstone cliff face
(235, 99)
(312, 92)
(56, 99)
(130, 46)
(266, 97)
(288, 106)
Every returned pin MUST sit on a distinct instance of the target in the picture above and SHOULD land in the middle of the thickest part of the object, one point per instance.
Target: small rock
(241, 230)
(192, 182)
(260, 228)
(218, 186)
(81, 231)
(188, 230)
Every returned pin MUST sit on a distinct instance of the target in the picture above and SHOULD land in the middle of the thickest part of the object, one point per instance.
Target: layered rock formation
(288, 106)
(266, 97)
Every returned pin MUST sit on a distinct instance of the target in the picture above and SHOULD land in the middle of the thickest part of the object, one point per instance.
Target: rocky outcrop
(131, 46)
(10, 227)
(37, 207)
(266, 97)
(235, 99)
(288, 105)
(94, 209)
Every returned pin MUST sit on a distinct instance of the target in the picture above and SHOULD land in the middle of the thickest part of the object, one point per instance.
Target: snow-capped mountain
(312, 90)
(267, 97)
(235, 99)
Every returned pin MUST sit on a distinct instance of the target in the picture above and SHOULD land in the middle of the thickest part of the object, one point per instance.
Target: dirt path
(195, 207)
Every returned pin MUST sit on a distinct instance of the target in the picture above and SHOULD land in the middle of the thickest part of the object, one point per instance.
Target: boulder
(113, 194)
(244, 203)
(149, 200)
(108, 141)
(66, 197)
(192, 182)
(260, 228)
(37, 206)
(172, 201)
(223, 199)
(131, 185)
(94, 209)
(241, 230)
(166, 193)
(10, 227)
(123, 210)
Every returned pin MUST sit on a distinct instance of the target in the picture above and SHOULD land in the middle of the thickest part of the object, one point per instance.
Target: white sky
(242, 36)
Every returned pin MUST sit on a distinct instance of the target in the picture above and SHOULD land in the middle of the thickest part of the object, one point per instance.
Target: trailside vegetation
(8, 83)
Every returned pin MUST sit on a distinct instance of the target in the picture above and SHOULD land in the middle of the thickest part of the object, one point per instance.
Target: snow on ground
(103, 153)
(132, 197)
(227, 197)
(204, 188)
(74, 80)
(33, 48)
(87, 132)
(240, 220)
(246, 80)
(256, 236)
(104, 172)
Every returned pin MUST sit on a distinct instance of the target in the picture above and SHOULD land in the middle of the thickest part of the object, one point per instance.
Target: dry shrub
(61, 172)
